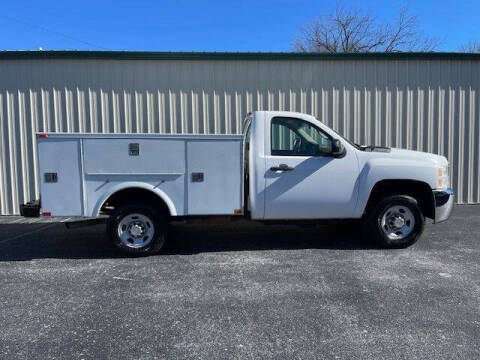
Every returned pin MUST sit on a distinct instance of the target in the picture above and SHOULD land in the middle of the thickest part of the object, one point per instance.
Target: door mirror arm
(338, 150)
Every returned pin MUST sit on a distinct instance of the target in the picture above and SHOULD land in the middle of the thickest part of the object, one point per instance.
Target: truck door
(302, 179)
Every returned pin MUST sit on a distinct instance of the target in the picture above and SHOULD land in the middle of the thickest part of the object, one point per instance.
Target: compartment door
(60, 176)
(214, 177)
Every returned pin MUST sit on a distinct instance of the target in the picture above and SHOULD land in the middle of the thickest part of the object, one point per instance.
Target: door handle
(281, 167)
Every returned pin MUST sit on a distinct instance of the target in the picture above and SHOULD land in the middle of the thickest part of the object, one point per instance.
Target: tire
(137, 229)
(395, 222)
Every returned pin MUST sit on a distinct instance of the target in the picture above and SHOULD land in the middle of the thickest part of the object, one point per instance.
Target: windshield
(358, 147)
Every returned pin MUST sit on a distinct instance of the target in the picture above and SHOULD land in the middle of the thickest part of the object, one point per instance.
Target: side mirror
(338, 150)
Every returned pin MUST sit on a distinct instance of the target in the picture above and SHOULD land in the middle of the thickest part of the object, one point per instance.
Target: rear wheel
(137, 229)
(395, 222)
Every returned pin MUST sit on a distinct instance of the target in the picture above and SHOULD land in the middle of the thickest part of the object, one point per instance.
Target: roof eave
(155, 55)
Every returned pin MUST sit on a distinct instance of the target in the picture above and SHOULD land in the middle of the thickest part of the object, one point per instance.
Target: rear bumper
(444, 200)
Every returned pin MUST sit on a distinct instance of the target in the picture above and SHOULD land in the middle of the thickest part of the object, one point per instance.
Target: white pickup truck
(286, 167)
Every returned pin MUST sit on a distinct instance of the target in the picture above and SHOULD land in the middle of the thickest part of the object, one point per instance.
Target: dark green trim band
(151, 55)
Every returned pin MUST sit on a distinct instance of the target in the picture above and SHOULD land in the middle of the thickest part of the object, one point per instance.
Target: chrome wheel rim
(397, 222)
(136, 231)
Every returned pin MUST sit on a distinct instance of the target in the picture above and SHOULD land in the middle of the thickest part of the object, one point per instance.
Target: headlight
(443, 179)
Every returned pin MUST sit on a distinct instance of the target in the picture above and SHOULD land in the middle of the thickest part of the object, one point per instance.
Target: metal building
(424, 101)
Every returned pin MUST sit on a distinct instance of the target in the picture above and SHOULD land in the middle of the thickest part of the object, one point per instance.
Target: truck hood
(418, 155)
(403, 154)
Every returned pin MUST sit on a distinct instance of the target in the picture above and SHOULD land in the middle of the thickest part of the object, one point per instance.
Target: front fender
(376, 170)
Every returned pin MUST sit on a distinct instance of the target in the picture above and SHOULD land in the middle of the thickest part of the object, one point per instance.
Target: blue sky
(162, 25)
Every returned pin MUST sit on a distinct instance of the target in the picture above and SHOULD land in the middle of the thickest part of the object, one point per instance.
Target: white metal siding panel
(428, 105)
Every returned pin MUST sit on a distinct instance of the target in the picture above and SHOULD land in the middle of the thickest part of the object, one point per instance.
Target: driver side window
(295, 137)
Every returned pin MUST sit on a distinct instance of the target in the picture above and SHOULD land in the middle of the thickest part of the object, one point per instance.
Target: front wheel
(395, 222)
(137, 229)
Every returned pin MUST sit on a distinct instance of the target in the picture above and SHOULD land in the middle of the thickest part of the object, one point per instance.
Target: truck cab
(293, 159)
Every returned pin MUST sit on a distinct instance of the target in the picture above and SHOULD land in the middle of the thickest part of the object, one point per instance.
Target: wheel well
(134, 195)
(419, 190)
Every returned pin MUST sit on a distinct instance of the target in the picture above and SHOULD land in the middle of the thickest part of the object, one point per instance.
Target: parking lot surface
(241, 291)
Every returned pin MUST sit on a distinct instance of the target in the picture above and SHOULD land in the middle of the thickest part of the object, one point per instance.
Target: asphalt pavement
(240, 291)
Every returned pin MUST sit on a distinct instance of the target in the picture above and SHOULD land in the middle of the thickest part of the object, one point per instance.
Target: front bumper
(444, 200)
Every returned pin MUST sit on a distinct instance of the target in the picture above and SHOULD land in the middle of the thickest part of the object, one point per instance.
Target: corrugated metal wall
(428, 105)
